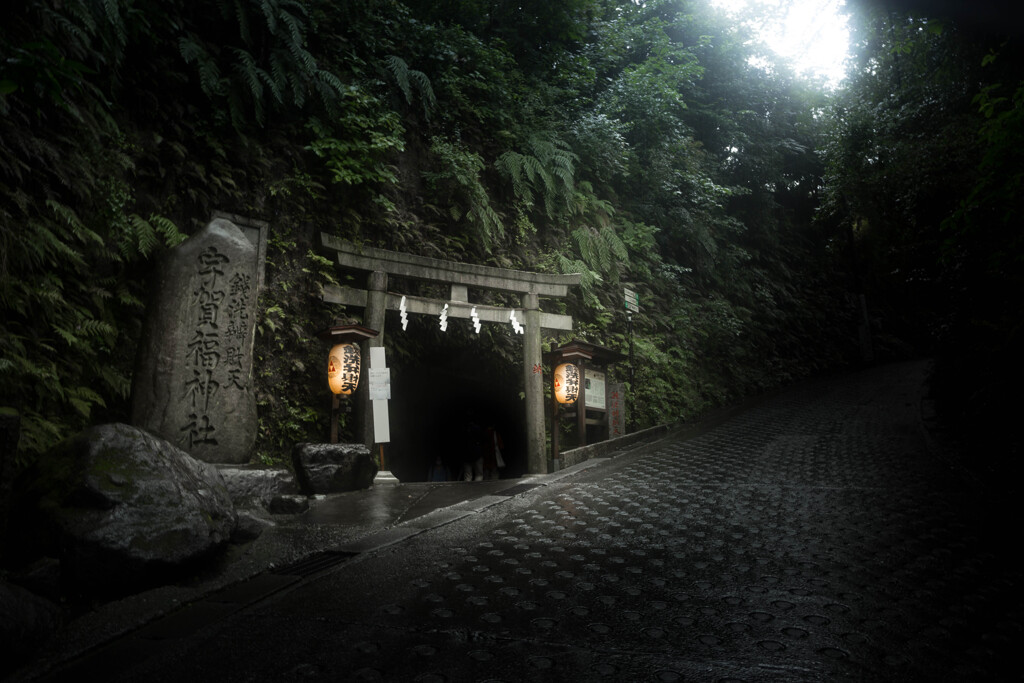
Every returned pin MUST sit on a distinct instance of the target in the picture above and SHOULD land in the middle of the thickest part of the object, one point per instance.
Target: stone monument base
(333, 467)
(385, 478)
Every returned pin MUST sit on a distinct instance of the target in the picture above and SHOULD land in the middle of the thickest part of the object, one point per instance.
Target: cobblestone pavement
(817, 536)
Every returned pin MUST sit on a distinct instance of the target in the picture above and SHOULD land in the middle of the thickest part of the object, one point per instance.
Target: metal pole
(632, 401)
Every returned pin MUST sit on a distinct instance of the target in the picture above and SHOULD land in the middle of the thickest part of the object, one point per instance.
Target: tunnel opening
(441, 384)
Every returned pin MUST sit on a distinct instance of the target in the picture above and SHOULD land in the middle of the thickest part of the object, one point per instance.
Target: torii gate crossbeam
(375, 299)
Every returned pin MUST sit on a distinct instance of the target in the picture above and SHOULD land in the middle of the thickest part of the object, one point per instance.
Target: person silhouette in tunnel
(493, 448)
(473, 454)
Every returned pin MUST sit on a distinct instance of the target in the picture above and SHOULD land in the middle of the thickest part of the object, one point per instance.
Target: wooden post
(533, 386)
(581, 405)
(335, 415)
(556, 423)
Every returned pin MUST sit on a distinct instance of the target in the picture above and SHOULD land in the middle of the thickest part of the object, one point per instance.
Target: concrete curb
(601, 449)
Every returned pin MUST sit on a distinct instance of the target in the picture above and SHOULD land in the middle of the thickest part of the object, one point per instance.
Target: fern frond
(513, 166)
(242, 19)
(298, 89)
(130, 300)
(71, 220)
(400, 71)
(294, 26)
(269, 15)
(565, 173)
(191, 51)
(68, 336)
(246, 68)
(168, 230)
(117, 382)
(75, 31)
(584, 244)
(426, 91)
(615, 243)
(145, 236)
(112, 9)
(301, 55)
(81, 14)
(46, 249)
(210, 80)
(489, 224)
(83, 399)
(329, 87)
(602, 253)
(96, 329)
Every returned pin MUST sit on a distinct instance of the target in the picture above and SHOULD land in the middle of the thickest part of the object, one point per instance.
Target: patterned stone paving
(815, 537)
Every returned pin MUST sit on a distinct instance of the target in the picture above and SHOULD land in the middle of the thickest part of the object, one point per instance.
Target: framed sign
(594, 394)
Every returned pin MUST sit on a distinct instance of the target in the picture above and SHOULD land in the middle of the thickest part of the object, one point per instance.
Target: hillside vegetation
(634, 143)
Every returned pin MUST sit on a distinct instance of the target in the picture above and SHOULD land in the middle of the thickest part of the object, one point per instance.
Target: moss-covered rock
(122, 509)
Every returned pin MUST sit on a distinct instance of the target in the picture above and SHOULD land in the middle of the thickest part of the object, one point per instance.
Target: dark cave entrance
(452, 380)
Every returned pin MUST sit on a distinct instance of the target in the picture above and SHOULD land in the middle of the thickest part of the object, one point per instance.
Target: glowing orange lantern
(567, 383)
(343, 368)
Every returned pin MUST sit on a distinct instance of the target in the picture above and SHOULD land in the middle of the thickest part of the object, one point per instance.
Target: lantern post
(570, 376)
(344, 361)
(565, 391)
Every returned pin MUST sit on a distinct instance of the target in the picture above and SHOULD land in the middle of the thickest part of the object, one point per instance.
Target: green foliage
(293, 402)
(407, 78)
(546, 170)
(629, 142)
(356, 145)
(73, 247)
(456, 180)
(268, 68)
(980, 367)
(924, 198)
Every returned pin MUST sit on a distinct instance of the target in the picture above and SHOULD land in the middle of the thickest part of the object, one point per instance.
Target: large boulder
(123, 510)
(333, 467)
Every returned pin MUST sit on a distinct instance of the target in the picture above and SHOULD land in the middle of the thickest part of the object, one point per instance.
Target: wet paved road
(818, 536)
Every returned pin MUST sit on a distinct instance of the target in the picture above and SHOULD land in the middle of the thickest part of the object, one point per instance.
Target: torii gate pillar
(533, 385)
(373, 317)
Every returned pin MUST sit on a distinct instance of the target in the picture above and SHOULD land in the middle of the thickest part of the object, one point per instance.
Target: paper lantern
(567, 383)
(343, 368)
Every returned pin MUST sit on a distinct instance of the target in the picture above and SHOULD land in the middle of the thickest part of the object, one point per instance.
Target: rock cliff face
(122, 509)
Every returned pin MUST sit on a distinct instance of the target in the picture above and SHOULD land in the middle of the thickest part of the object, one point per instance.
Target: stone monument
(193, 379)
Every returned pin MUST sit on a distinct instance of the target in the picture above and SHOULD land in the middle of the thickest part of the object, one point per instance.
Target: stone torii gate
(375, 300)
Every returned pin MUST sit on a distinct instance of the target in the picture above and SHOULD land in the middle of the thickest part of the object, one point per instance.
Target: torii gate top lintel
(416, 267)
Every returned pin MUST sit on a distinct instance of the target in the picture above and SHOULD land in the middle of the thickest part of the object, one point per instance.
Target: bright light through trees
(811, 34)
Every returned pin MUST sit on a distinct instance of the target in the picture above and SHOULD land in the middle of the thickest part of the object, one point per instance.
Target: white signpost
(380, 393)
(632, 300)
